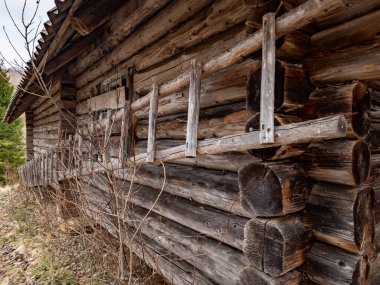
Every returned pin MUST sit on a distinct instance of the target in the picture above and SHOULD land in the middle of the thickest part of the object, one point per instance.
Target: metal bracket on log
(193, 109)
(151, 149)
(267, 79)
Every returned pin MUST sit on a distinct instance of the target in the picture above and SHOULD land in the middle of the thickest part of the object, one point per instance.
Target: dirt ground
(29, 253)
(34, 250)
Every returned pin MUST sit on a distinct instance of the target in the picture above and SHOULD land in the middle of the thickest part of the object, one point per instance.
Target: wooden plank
(151, 148)
(193, 108)
(268, 79)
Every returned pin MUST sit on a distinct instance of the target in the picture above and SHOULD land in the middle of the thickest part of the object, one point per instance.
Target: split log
(328, 265)
(217, 261)
(276, 246)
(250, 276)
(356, 62)
(338, 161)
(268, 190)
(291, 90)
(353, 101)
(343, 216)
(274, 153)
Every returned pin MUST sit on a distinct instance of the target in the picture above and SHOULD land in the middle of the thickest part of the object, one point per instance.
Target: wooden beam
(193, 109)
(151, 148)
(268, 79)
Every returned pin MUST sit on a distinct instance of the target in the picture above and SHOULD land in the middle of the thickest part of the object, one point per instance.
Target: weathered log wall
(244, 217)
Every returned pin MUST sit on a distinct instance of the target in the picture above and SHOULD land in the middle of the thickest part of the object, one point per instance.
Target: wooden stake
(267, 79)
(193, 111)
(151, 149)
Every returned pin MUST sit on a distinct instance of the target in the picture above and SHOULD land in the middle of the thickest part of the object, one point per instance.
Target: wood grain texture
(343, 216)
(275, 189)
(193, 109)
(352, 100)
(268, 79)
(278, 245)
(329, 265)
(343, 162)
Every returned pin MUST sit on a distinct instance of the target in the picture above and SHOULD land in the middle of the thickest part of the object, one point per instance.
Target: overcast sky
(15, 7)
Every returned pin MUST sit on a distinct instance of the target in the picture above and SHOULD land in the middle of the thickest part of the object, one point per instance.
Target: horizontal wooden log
(216, 18)
(124, 22)
(215, 223)
(268, 190)
(274, 153)
(338, 161)
(250, 275)
(91, 16)
(343, 216)
(353, 10)
(358, 30)
(278, 245)
(215, 188)
(328, 265)
(217, 261)
(352, 100)
(177, 103)
(351, 63)
(304, 132)
(216, 127)
(229, 161)
(175, 13)
(169, 265)
(222, 88)
(113, 99)
(285, 24)
(291, 90)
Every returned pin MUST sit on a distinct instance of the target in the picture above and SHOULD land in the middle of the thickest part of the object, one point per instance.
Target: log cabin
(238, 139)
